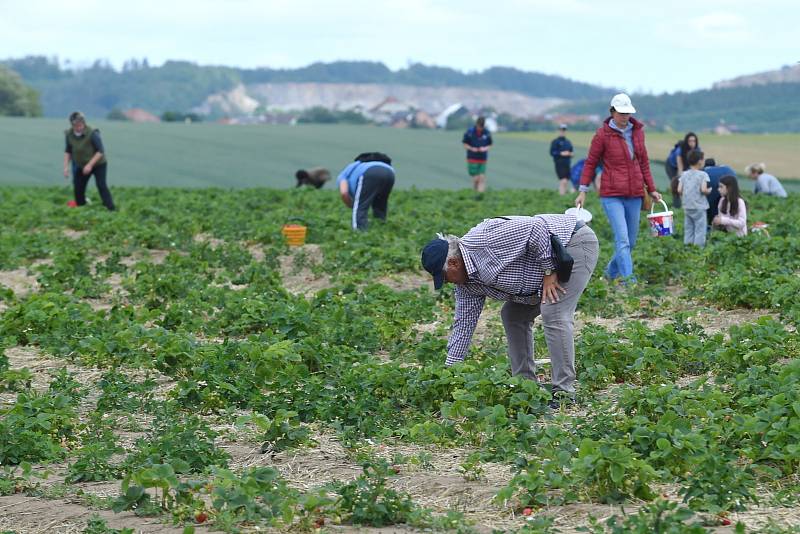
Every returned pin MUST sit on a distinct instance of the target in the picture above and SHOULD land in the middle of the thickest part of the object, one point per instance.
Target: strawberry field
(175, 367)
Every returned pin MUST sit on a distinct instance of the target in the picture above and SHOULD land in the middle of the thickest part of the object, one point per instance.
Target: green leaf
(617, 473)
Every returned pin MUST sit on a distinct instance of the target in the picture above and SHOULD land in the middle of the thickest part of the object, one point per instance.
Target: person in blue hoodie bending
(366, 182)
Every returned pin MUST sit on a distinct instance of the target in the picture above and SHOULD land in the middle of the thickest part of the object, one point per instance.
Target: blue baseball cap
(434, 256)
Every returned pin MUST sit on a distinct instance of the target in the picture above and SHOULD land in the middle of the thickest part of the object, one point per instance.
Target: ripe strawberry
(725, 521)
(527, 511)
(201, 517)
(319, 523)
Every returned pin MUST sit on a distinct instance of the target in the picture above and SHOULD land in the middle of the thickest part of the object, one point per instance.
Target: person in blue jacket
(366, 182)
(561, 150)
(715, 172)
(577, 170)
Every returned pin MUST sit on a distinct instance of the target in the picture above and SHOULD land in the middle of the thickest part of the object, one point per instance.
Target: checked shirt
(505, 258)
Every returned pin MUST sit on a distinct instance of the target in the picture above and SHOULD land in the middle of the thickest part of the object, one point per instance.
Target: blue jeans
(623, 216)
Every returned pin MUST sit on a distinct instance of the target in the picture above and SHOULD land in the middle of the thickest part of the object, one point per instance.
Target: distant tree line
(321, 115)
(183, 85)
(98, 89)
(758, 108)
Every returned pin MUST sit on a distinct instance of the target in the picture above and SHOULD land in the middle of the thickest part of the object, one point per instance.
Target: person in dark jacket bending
(85, 154)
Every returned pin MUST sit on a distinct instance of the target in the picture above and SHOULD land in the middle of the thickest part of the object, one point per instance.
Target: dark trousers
(373, 189)
(80, 181)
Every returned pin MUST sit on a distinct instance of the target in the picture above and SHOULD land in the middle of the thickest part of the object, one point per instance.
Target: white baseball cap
(622, 103)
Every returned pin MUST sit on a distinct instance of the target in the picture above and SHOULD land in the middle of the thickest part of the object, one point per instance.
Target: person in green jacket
(84, 150)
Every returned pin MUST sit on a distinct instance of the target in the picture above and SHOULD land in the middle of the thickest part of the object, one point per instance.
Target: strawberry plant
(717, 484)
(611, 472)
(33, 428)
(659, 517)
(181, 440)
(368, 501)
(280, 432)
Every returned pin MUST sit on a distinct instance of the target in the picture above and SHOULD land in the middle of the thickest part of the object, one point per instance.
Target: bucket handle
(296, 219)
(653, 205)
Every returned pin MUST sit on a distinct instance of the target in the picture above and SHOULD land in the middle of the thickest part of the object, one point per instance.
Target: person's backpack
(672, 159)
(365, 157)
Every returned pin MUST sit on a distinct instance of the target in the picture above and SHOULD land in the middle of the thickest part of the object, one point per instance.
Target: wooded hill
(181, 85)
(767, 108)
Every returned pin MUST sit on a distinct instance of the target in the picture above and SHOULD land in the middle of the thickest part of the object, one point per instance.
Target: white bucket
(661, 222)
(580, 213)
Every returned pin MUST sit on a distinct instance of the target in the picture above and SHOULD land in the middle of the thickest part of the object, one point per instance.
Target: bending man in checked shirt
(511, 259)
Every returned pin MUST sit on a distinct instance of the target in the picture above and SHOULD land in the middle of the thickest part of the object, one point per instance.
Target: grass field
(203, 155)
(778, 151)
(206, 155)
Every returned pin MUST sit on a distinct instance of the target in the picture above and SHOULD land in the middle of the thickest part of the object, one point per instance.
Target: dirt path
(34, 515)
(20, 281)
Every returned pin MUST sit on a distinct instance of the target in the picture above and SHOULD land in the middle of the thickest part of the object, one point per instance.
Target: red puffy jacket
(622, 176)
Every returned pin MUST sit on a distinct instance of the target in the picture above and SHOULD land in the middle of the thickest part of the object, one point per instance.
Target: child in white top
(732, 209)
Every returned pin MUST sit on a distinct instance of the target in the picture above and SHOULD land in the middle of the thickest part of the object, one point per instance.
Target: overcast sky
(636, 45)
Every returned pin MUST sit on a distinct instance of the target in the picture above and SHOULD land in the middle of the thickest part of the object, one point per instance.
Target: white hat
(622, 103)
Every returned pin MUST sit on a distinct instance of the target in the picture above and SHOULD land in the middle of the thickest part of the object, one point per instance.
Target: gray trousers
(694, 227)
(558, 320)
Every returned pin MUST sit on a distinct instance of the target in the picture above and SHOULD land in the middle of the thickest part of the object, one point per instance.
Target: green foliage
(15, 479)
(611, 472)
(178, 439)
(14, 380)
(280, 432)
(116, 114)
(98, 525)
(321, 115)
(179, 116)
(368, 501)
(718, 484)
(119, 392)
(659, 517)
(33, 428)
(16, 98)
(93, 458)
(714, 412)
(756, 108)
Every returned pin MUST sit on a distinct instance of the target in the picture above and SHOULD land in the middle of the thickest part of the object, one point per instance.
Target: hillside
(299, 96)
(753, 108)
(181, 85)
(786, 74)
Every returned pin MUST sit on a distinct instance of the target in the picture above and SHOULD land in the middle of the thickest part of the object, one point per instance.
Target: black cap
(434, 256)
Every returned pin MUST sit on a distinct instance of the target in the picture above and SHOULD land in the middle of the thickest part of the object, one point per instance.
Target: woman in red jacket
(619, 145)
